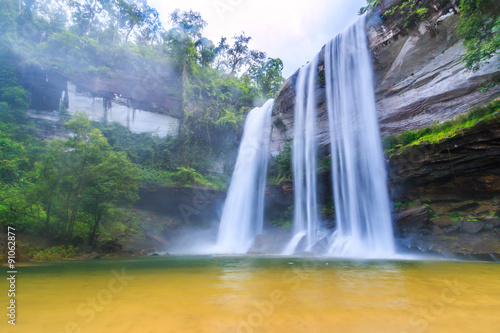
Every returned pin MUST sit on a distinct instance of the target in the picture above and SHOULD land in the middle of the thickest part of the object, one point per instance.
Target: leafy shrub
(55, 253)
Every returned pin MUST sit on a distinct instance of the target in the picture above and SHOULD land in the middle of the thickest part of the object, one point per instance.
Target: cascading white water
(242, 217)
(304, 158)
(362, 209)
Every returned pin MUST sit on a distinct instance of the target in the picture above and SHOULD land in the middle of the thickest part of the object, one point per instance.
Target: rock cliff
(419, 79)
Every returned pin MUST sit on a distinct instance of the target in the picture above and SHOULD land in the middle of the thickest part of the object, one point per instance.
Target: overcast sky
(292, 30)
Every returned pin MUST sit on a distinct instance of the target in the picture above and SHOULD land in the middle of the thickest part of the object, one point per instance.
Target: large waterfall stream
(362, 211)
(242, 218)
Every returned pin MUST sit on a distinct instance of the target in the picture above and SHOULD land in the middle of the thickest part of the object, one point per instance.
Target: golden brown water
(248, 294)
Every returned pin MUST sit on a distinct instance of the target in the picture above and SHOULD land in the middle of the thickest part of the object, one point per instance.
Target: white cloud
(291, 30)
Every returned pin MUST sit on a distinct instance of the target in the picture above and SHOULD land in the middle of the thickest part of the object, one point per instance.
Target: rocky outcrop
(463, 167)
(419, 79)
(448, 192)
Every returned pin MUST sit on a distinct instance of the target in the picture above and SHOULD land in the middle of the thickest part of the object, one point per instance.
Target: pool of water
(255, 294)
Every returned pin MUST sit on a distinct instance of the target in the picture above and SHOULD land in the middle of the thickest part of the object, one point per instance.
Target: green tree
(114, 181)
(138, 15)
(479, 27)
(238, 53)
(14, 102)
(268, 76)
(188, 22)
(85, 14)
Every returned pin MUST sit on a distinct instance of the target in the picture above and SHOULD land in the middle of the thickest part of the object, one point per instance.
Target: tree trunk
(128, 33)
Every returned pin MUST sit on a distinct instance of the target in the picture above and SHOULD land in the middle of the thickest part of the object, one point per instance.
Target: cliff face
(419, 79)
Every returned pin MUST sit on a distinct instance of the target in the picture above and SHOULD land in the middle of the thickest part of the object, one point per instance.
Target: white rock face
(136, 120)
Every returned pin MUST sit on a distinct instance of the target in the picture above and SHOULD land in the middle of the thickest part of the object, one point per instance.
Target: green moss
(440, 132)
(404, 204)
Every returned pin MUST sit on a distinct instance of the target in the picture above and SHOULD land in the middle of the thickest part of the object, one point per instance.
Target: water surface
(256, 294)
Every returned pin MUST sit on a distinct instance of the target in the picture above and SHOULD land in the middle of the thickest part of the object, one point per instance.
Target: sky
(292, 30)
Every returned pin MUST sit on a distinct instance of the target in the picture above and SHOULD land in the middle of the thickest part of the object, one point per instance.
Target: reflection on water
(256, 294)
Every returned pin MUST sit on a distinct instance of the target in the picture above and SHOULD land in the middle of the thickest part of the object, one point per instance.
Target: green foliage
(70, 188)
(13, 159)
(53, 253)
(370, 5)
(283, 219)
(217, 104)
(186, 177)
(404, 204)
(280, 168)
(267, 76)
(13, 104)
(327, 210)
(438, 132)
(479, 27)
(404, 14)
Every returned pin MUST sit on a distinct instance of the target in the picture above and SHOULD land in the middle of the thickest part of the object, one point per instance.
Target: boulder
(412, 219)
(465, 207)
(472, 227)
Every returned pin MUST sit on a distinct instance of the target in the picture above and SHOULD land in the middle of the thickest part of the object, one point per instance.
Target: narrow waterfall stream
(242, 217)
(304, 159)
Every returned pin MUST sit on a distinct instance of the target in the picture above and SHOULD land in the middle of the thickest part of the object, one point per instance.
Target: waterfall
(362, 209)
(242, 217)
(304, 158)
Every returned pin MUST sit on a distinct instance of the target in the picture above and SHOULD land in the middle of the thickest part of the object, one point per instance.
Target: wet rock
(492, 224)
(437, 230)
(453, 228)
(469, 206)
(442, 221)
(321, 246)
(270, 244)
(89, 256)
(472, 227)
(412, 218)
